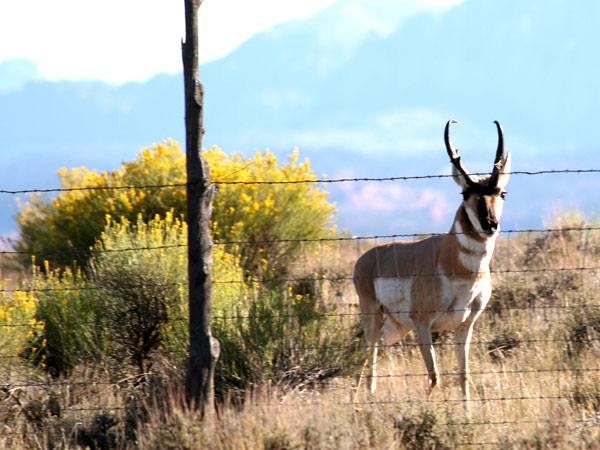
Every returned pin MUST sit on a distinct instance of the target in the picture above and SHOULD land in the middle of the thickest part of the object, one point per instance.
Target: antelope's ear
(459, 178)
(504, 172)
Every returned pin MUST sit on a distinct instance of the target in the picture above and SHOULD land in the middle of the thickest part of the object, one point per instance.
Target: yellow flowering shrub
(64, 227)
(130, 303)
(18, 324)
(284, 209)
(71, 222)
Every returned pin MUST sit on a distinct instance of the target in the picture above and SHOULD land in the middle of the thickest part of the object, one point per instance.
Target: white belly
(394, 295)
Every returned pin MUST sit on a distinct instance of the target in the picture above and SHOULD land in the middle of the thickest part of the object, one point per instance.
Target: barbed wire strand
(375, 237)
(63, 289)
(56, 384)
(312, 278)
(279, 182)
(281, 241)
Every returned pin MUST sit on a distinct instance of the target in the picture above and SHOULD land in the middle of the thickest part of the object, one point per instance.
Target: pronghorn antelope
(438, 283)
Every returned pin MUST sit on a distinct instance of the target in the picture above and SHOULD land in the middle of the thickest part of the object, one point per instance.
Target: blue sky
(81, 39)
(529, 65)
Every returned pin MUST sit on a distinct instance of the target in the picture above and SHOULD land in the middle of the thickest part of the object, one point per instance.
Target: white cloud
(82, 39)
(383, 17)
(118, 41)
(400, 199)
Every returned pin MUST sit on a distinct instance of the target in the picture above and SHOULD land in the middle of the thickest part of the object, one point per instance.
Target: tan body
(438, 283)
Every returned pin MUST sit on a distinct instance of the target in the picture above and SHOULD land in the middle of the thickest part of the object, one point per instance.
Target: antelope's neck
(474, 250)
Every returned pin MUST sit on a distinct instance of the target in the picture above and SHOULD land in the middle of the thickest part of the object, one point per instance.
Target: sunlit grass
(535, 376)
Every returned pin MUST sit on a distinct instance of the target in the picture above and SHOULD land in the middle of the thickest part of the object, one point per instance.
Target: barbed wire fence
(502, 385)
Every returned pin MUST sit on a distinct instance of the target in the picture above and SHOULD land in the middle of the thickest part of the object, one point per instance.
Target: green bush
(143, 290)
(114, 304)
(126, 303)
(132, 305)
(72, 316)
(282, 339)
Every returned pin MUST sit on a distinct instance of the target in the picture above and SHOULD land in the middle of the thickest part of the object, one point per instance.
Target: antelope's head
(483, 196)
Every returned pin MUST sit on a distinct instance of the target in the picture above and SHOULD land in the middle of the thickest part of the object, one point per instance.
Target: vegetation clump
(94, 341)
(277, 217)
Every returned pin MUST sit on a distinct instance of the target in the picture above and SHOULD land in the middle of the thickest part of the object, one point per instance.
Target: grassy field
(534, 369)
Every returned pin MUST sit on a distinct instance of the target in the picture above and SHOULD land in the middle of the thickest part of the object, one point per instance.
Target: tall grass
(286, 376)
(534, 364)
(119, 330)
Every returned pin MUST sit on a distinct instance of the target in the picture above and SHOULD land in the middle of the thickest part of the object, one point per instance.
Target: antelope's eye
(503, 195)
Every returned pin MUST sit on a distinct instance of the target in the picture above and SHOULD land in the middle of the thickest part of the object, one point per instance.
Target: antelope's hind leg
(372, 322)
(390, 333)
(426, 347)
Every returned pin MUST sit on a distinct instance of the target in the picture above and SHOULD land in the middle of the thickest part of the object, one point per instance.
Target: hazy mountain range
(364, 89)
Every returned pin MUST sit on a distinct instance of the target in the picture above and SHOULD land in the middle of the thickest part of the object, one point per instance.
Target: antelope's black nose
(489, 226)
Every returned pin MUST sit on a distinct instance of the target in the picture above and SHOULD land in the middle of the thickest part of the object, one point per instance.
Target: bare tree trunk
(204, 348)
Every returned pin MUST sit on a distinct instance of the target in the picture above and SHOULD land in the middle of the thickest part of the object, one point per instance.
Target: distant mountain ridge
(375, 107)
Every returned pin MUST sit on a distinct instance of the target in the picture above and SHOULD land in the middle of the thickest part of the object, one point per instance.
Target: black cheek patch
(487, 216)
(482, 213)
(482, 210)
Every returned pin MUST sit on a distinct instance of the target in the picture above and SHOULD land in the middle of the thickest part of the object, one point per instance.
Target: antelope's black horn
(499, 161)
(454, 156)
(500, 149)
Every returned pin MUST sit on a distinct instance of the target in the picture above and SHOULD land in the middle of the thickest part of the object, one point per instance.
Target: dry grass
(395, 417)
(12, 271)
(535, 375)
(534, 369)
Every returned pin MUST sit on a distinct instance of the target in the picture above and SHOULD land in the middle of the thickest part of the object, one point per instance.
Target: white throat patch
(471, 244)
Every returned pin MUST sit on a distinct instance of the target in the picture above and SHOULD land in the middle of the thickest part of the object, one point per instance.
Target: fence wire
(375, 237)
(277, 182)
(394, 375)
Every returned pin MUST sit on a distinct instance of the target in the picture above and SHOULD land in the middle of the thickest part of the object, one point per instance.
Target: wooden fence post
(204, 348)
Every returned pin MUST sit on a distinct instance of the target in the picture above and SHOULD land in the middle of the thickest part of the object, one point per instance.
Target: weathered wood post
(204, 348)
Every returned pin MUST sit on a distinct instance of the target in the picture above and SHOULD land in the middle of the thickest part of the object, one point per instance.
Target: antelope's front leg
(463, 338)
(426, 346)
(463, 341)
